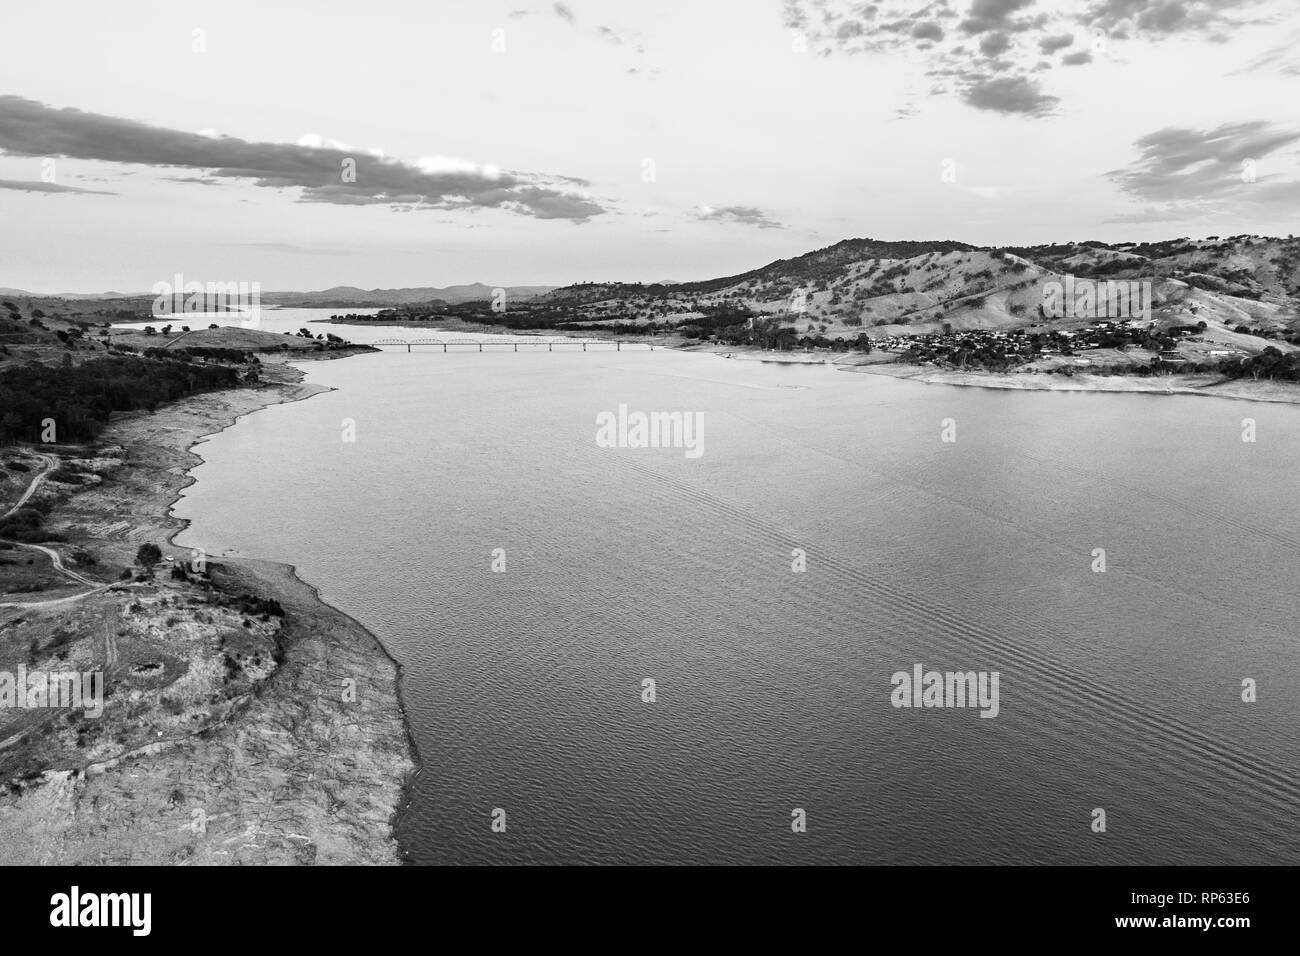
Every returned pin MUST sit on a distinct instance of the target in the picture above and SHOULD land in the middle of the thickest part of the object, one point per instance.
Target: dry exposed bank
(229, 735)
(1214, 386)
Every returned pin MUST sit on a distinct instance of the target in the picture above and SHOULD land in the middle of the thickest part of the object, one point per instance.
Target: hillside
(1244, 289)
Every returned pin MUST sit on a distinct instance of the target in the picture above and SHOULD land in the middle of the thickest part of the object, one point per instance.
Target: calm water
(1119, 690)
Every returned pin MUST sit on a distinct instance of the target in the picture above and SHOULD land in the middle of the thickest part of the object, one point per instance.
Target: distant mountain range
(343, 296)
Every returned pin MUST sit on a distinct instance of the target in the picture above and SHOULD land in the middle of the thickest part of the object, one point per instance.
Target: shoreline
(876, 363)
(1246, 390)
(300, 393)
(1211, 386)
(880, 363)
(295, 770)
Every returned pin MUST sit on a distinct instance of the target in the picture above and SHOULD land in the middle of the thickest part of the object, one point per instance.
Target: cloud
(28, 128)
(1010, 94)
(1284, 59)
(1164, 17)
(984, 61)
(1187, 164)
(614, 36)
(40, 187)
(983, 41)
(1050, 44)
(991, 44)
(747, 215)
(1187, 173)
(988, 15)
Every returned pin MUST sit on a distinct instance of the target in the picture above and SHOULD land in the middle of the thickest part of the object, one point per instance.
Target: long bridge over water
(514, 344)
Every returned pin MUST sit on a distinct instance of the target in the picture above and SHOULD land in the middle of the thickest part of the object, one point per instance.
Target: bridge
(514, 344)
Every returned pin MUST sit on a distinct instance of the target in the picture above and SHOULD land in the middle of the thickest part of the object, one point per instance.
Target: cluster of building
(1024, 345)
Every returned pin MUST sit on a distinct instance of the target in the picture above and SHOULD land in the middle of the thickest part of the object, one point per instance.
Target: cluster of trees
(728, 318)
(860, 343)
(204, 353)
(26, 524)
(1270, 363)
(254, 606)
(1264, 333)
(769, 332)
(80, 398)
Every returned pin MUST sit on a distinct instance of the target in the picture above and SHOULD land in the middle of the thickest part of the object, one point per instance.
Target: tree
(148, 555)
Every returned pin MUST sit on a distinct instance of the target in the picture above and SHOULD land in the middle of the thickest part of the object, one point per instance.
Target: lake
(1120, 690)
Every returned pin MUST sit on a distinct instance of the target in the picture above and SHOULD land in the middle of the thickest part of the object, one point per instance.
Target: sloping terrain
(1243, 288)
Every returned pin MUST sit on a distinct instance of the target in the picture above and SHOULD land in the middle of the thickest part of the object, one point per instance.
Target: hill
(1244, 289)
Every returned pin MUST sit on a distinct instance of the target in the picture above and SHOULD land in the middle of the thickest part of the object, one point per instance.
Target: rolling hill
(895, 288)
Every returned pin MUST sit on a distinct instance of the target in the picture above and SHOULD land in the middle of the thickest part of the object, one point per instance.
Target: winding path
(37, 480)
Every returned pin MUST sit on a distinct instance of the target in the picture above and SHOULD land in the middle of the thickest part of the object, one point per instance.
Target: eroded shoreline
(1213, 386)
(1208, 386)
(310, 766)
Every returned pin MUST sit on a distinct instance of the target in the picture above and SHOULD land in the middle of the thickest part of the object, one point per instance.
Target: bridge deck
(513, 344)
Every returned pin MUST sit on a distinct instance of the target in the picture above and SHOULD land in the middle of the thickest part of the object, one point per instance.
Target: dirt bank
(244, 722)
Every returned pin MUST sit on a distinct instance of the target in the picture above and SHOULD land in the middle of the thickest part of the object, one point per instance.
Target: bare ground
(229, 735)
(1212, 385)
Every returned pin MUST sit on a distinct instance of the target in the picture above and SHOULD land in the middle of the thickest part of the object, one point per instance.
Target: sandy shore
(302, 758)
(1213, 386)
(886, 363)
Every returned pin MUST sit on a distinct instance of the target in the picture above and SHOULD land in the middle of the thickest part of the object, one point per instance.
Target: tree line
(80, 398)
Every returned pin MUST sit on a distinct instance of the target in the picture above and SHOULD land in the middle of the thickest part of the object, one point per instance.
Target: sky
(394, 143)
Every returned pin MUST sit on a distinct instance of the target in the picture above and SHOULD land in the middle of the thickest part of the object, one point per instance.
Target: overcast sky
(514, 143)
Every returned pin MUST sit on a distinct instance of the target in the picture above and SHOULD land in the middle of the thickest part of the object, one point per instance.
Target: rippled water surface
(1119, 690)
